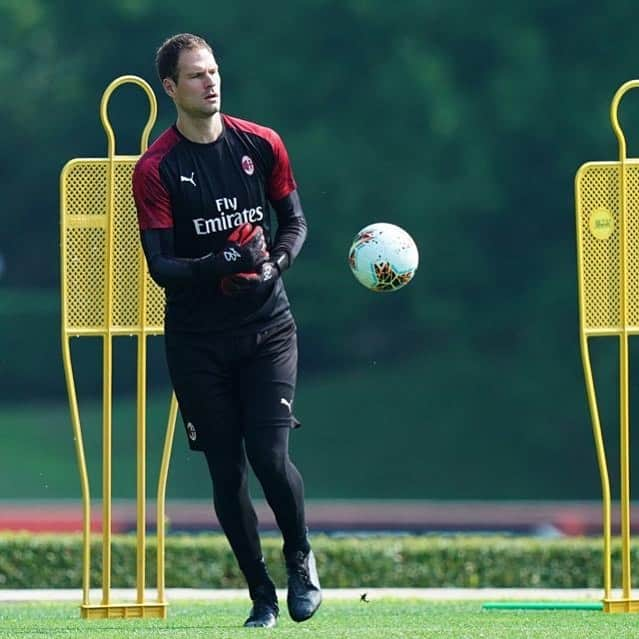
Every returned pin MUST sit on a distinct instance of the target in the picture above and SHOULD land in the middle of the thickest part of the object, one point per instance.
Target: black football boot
(304, 595)
(265, 610)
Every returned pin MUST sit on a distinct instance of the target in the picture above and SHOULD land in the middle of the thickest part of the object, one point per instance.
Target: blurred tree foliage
(462, 122)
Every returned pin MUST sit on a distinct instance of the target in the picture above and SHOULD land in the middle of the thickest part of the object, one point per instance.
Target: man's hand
(244, 251)
(242, 283)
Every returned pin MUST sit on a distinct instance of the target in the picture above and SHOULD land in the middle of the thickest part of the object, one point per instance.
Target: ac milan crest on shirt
(247, 165)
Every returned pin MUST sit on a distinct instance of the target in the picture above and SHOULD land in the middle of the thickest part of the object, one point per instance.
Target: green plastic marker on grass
(543, 605)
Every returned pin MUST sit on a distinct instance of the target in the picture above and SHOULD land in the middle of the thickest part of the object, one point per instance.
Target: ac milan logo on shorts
(247, 165)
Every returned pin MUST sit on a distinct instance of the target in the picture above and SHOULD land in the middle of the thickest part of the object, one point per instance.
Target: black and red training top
(201, 192)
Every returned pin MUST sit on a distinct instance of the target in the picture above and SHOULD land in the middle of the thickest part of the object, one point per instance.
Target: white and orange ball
(383, 257)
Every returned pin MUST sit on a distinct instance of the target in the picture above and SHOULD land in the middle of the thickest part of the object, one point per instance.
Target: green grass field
(326, 406)
(378, 619)
(409, 440)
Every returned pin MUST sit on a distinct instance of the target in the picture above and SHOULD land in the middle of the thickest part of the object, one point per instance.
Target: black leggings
(267, 453)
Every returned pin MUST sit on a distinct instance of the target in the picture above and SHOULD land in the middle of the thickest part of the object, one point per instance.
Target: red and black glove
(244, 251)
(241, 283)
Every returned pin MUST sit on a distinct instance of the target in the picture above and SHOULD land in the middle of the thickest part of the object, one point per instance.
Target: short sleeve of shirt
(151, 196)
(281, 181)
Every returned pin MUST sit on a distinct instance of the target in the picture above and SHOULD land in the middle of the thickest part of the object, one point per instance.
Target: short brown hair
(167, 56)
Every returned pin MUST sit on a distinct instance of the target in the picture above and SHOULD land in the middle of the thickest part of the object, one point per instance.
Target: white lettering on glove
(231, 255)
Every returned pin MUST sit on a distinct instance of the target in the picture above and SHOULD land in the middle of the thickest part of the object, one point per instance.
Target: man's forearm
(291, 231)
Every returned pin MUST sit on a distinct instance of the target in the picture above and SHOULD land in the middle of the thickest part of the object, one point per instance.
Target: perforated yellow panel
(85, 193)
(107, 293)
(632, 232)
(598, 203)
(607, 225)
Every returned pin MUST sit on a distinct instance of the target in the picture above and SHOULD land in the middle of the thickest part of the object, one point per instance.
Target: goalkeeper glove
(245, 250)
(241, 283)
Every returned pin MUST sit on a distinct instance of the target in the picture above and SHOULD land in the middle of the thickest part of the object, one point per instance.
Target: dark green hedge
(55, 561)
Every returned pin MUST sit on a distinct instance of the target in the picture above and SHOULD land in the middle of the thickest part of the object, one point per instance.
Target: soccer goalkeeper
(203, 192)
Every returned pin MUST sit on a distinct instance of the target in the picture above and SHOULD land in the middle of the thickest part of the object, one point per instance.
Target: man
(202, 192)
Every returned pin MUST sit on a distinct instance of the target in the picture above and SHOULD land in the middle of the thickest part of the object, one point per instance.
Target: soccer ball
(383, 257)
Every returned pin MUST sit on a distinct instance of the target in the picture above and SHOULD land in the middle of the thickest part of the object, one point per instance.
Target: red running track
(519, 517)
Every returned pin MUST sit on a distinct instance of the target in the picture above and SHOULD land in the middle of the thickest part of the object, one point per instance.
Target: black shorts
(228, 384)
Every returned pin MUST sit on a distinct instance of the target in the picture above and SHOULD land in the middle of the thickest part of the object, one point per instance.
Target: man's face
(197, 91)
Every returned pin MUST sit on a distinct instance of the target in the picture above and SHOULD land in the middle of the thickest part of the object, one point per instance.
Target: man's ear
(169, 86)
